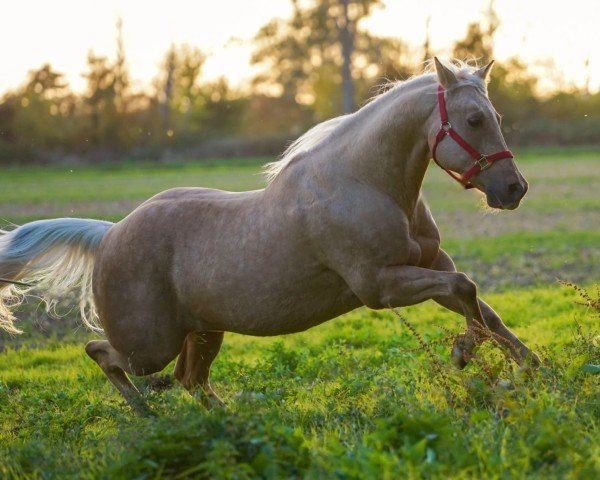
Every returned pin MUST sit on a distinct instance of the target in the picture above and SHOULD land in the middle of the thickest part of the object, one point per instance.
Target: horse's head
(473, 144)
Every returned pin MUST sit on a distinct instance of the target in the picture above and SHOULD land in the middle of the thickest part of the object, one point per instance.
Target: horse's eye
(475, 120)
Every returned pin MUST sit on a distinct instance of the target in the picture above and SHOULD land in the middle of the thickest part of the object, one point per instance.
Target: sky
(544, 34)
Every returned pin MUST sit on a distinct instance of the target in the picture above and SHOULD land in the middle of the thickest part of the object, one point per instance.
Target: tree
(100, 100)
(37, 113)
(321, 56)
(220, 110)
(107, 98)
(511, 86)
(178, 87)
(121, 73)
(478, 43)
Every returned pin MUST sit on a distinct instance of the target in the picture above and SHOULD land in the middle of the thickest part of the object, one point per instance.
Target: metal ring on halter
(483, 162)
(446, 126)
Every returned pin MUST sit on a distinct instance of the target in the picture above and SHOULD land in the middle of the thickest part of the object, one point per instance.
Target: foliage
(40, 114)
(357, 398)
(316, 64)
(302, 56)
(478, 43)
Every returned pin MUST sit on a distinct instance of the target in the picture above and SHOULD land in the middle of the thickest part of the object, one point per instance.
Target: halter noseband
(482, 161)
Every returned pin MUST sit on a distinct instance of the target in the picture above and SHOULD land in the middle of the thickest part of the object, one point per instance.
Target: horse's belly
(314, 311)
(286, 304)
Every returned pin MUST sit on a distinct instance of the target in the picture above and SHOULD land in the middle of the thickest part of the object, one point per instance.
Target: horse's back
(145, 244)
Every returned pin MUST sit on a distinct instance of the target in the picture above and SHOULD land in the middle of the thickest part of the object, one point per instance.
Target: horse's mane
(317, 134)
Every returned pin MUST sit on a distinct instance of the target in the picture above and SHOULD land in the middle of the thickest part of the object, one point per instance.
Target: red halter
(482, 161)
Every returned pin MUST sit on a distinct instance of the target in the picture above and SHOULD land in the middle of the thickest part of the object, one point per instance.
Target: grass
(353, 398)
(124, 181)
(357, 397)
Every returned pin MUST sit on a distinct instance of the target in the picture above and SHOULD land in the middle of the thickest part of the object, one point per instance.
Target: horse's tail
(50, 258)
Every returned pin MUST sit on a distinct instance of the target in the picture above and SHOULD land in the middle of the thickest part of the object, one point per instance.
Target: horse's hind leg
(115, 365)
(193, 365)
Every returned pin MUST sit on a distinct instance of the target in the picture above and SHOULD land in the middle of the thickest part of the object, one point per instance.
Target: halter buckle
(446, 126)
(483, 162)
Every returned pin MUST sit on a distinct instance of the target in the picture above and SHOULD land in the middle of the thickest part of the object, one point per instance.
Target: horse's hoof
(462, 350)
(458, 358)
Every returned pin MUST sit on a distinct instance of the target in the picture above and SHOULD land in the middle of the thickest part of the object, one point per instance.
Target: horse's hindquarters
(134, 296)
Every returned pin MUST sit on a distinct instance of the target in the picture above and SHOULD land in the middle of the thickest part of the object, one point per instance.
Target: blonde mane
(303, 144)
(317, 134)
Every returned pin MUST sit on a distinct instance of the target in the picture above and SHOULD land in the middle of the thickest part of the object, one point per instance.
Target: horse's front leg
(404, 285)
(462, 348)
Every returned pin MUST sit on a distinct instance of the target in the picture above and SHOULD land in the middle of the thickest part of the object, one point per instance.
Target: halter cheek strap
(482, 161)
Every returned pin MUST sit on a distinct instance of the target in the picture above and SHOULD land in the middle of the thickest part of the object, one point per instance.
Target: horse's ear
(445, 75)
(484, 72)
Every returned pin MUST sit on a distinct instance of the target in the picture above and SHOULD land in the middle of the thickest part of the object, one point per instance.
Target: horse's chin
(496, 204)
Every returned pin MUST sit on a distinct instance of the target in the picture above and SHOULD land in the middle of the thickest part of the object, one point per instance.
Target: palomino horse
(342, 223)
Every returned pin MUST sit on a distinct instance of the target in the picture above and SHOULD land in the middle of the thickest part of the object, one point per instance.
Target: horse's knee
(464, 287)
(104, 354)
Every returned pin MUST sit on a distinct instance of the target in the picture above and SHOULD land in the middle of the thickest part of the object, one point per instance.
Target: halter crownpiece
(482, 161)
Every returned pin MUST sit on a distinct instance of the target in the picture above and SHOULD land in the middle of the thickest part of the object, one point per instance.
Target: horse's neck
(386, 143)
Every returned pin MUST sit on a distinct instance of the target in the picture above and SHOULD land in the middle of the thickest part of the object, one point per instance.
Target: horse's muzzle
(508, 198)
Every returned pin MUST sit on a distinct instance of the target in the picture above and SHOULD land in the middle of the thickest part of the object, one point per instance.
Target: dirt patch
(484, 224)
(513, 271)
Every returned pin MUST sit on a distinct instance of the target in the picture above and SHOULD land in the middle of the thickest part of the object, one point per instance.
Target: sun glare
(557, 41)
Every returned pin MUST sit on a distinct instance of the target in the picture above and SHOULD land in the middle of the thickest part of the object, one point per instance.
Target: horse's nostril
(516, 187)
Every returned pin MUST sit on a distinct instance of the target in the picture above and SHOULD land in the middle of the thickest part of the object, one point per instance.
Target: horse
(341, 224)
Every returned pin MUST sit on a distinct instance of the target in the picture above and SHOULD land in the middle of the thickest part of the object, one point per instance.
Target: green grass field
(358, 397)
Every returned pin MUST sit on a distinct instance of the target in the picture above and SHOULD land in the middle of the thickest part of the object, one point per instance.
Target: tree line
(317, 64)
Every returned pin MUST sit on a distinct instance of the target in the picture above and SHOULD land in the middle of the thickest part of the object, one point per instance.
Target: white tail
(55, 256)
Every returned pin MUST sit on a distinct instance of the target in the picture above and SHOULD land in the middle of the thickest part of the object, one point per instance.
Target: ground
(369, 395)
